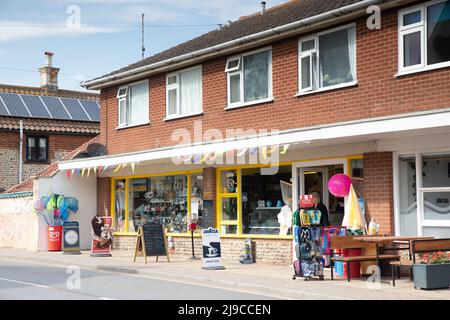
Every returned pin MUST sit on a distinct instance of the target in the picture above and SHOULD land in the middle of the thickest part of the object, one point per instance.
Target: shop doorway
(312, 177)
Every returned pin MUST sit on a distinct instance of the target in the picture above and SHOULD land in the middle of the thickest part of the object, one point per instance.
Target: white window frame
(420, 190)
(316, 52)
(240, 71)
(305, 54)
(422, 26)
(123, 120)
(176, 86)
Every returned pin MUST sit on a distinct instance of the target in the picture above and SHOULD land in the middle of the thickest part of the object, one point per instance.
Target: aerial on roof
(48, 107)
(288, 13)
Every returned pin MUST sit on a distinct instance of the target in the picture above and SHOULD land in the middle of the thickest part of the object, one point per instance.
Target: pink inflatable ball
(339, 185)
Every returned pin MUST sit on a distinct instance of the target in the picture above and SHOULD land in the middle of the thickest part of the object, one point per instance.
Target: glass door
(229, 201)
(314, 180)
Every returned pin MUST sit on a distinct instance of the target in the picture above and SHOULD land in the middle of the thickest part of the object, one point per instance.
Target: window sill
(429, 68)
(133, 125)
(37, 162)
(183, 116)
(336, 87)
(247, 104)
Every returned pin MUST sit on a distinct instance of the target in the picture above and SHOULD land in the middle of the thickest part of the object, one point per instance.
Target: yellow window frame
(127, 179)
(238, 169)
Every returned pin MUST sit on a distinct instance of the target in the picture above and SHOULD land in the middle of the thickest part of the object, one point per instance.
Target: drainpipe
(21, 152)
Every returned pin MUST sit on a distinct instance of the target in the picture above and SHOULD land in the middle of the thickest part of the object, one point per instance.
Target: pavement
(246, 281)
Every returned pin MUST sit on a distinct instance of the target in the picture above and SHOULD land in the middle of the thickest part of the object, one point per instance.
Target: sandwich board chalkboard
(151, 240)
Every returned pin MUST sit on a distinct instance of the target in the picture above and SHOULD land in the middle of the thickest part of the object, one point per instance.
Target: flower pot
(431, 276)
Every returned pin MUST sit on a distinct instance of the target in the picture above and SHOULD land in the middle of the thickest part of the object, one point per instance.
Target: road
(25, 280)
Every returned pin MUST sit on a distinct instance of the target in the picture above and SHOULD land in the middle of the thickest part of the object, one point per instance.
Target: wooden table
(381, 242)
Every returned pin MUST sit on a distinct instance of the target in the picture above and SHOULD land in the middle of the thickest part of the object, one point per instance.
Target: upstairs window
(249, 78)
(424, 36)
(37, 149)
(184, 93)
(327, 60)
(133, 104)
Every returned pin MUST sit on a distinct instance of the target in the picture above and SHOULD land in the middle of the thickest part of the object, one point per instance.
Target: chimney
(49, 74)
(263, 7)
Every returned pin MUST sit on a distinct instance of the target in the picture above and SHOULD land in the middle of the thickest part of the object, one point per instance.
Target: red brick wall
(378, 190)
(58, 144)
(103, 196)
(378, 93)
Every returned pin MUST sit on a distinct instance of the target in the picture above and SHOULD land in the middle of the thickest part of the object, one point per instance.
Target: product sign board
(71, 237)
(102, 236)
(211, 249)
(152, 241)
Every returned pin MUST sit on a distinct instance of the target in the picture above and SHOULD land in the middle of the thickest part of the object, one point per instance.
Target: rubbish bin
(54, 238)
(355, 267)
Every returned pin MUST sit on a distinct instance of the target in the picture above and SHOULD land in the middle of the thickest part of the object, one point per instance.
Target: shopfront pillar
(104, 196)
(209, 191)
(378, 190)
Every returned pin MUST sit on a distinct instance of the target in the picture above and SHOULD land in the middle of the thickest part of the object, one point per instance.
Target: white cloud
(13, 30)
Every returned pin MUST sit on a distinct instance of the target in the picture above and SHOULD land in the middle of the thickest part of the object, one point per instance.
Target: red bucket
(355, 267)
(54, 238)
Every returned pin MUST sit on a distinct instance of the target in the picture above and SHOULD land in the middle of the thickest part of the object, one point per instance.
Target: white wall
(18, 224)
(85, 190)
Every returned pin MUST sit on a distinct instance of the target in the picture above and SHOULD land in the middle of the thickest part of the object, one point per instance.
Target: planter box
(431, 276)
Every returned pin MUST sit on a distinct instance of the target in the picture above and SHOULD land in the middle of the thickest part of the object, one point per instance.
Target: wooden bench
(343, 243)
(419, 246)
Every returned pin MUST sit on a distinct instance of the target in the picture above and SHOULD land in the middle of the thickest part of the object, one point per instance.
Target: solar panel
(92, 108)
(56, 108)
(75, 109)
(14, 104)
(3, 111)
(35, 106)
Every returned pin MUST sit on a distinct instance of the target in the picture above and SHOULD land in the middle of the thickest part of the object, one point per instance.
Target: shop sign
(71, 237)
(211, 249)
(102, 236)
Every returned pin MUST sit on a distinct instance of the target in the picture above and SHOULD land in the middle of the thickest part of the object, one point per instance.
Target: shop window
(436, 171)
(197, 200)
(133, 104)
(263, 196)
(249, 78)
(424, 36)
(161, 199)
(184, 93)
(327, 60)
(37, 149)
(436, 175)
(228, 181)
(229, 209)
(119, 221)
(436, 205)
(357, 176)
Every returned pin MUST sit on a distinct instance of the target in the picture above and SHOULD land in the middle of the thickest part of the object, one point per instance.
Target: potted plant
(433, 272)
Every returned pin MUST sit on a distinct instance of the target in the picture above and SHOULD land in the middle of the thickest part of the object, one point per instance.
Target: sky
(94, 37)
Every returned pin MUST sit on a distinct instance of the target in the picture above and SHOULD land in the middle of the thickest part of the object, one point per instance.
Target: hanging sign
(151, 240)
(102, 236)
(71, 237)
(211, 249)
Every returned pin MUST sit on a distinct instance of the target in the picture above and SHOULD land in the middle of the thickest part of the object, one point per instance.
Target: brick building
(313, 88)
(40, 125)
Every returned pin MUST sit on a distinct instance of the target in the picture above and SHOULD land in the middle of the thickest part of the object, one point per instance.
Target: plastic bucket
(54, 238)
(355, 267)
